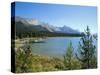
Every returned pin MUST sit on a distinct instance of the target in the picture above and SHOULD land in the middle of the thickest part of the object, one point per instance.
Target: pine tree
(70, 62)
(68, 56)
(87, 50)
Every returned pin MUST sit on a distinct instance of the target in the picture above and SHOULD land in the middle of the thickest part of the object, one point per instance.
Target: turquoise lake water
(55, 46)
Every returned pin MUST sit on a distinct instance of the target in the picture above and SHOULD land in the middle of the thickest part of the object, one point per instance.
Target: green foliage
(95, 36)
(23, 60)
(68, 57)
(58, 63)
(87, 50)
(43, 33)
(70, 61)
(28, 62)
(42, 63)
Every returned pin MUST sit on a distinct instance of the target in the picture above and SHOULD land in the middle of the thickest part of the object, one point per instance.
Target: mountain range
(27, 24)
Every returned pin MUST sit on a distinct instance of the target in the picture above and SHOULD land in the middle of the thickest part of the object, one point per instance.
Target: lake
(55, 46)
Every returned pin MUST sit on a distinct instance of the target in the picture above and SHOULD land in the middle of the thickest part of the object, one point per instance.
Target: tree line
(25, 34)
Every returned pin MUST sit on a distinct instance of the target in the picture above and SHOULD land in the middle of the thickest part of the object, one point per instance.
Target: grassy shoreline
(36, 62)
(28, 61)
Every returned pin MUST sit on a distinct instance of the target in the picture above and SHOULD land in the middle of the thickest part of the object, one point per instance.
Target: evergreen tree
(87, 50)
(68, 56)
(70, 62)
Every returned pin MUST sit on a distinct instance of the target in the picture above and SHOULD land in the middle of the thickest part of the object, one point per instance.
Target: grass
(36, 63)
(31, 62)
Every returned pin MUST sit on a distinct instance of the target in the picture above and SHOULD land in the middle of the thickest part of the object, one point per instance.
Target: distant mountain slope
(24, 24)
(66, 29)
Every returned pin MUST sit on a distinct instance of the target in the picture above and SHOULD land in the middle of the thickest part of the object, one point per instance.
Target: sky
(74, 16)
